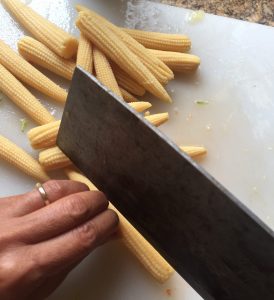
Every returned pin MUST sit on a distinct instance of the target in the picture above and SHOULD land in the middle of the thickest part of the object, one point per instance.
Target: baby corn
(158, 119)
(179, 62)
(14, 89)
(58, 40)
(84, 54)
(156, 67)
(194, 151)
(53, 158)
(25, 72)
(127, 96)
(118, 51)
(44, 136)
(21, 160)
(37, 53)
(153, 262)
(161, 41)
(140, 106)
(126, 82)
(104, 72)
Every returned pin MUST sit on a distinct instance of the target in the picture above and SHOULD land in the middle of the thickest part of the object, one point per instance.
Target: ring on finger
(42, 193)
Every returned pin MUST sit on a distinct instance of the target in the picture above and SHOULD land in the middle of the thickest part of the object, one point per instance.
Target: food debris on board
(147, 61)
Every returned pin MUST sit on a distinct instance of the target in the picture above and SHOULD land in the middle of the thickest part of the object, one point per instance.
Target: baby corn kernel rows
(128, 62)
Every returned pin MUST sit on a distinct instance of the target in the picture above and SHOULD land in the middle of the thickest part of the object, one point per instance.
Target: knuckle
(77, 207)
(100, 197)
(55, 187)
(86, 235)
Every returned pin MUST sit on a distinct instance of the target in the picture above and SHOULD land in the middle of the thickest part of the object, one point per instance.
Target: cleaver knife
(210, 238)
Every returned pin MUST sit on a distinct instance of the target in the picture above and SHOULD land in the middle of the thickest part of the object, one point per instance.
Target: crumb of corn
(161, 41)
(14, 89)
(23, 124)
(44, 136)
(118, 51)
(194, 151)
(84, 54)
(58, 40)
(53, 158)
(16, 156)
(127, 96)
(154, 65)
(126, 82)
(158, 119)
(179, 62)
(104, 72)
(37, 53)
(25, 72)
(140, 106)
(152, 261)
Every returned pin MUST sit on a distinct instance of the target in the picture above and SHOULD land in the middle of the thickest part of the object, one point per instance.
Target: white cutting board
(236, 77)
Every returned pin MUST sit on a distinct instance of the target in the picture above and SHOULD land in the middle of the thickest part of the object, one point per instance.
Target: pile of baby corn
(128, 62)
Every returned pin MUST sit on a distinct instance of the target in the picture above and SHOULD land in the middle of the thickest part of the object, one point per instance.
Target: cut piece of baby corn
(115, 49)
(104, 72)
(16, 156)
(14, 89)
(153, 262)
(156, 66)
(127, 96)
(25, 72)
(44, 136)
(55, 38)
(179, 62)
(84, 54)
(126, 82)
(158, 119)
(140, 106)
(37, 53)
(161, 41)
(194, 150)
(53, 158)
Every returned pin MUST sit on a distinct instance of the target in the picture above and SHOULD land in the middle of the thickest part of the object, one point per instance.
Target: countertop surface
(260, 11)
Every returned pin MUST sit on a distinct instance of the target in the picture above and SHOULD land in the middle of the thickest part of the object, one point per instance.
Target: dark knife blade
(212, 240)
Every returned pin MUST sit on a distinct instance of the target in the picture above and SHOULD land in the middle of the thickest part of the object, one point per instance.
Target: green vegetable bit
(23, 124)
(201, 102)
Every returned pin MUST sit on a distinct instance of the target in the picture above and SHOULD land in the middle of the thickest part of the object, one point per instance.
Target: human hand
(40, 245)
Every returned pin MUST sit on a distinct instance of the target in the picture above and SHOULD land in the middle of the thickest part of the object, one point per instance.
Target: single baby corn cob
(193, 150)
(104, 72)
(25, 72)
(14, 89)
(118, 51)
(126, 82)
(155, 66)
(180, 62)
(53, 158)
(140, 106)
(158, 119)
(161, 41)
(21, 160)
(127, 96)
(59, 41)
(44, 136)
(154, 263)
(37, 53)
(84, 54)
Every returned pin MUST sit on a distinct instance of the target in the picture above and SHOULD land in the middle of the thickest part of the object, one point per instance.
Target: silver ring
(42, 193)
